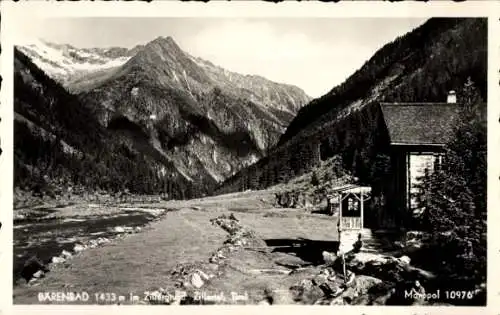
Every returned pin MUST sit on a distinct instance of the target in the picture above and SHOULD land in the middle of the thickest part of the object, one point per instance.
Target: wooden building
(418, 133)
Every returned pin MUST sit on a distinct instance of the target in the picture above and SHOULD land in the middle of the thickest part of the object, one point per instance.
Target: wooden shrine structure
(350, 201)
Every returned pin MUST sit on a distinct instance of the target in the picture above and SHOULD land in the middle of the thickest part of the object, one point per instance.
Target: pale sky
(314, 54)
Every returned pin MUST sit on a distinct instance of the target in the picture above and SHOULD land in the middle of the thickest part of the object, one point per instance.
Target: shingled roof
(419, 123)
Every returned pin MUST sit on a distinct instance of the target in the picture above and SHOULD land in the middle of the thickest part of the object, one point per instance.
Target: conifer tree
(456, 194)
(455, 197)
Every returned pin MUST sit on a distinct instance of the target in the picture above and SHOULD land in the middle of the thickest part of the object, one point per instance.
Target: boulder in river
(119, 229)
(405, 259)
(39, 274)
(65, 254)
(58, 260)
(31, 267)
(78, 248)
(102, 240)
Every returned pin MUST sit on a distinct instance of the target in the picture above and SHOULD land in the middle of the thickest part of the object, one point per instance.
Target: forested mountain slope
(207, 121)
(421, 66)
(59, 144)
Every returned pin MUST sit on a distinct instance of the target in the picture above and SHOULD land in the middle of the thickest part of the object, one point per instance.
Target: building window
(438, 161)
(419, 165)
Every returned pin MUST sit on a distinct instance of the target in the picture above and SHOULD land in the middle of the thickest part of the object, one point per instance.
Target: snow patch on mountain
(64, 61)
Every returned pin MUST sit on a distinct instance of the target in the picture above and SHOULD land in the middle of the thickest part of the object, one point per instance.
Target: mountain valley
(189, 118)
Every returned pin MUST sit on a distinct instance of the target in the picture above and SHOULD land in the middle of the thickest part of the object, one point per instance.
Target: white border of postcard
(20, 12)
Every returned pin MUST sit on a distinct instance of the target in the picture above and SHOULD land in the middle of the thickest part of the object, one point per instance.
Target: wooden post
(362, 209)
(407, 194)
(340, 210)
(344, 269)
(339, 225)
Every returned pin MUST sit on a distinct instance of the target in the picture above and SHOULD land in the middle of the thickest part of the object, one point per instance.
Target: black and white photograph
(250, 161)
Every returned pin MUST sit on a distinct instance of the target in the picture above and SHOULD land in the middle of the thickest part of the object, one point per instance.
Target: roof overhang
(351, 189)
(418, 144)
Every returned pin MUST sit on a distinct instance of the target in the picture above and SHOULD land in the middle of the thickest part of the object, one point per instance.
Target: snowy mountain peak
(63, 61)
(79, 68)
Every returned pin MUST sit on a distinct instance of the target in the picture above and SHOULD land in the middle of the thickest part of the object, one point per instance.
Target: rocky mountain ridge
(206, 121)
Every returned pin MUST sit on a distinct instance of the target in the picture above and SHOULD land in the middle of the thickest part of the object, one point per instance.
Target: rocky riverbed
(47, 235)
